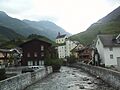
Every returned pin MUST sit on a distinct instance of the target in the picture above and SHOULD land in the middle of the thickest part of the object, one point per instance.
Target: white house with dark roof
(64, 45)
(108, 47)
(60, 39)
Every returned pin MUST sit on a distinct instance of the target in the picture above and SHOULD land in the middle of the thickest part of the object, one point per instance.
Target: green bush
(51, 62)
(55, 63)
(71, 59)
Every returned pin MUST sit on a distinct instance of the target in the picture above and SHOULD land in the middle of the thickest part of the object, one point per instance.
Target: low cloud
(15, 6)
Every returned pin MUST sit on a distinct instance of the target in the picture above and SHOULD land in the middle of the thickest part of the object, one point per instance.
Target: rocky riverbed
(70, 79)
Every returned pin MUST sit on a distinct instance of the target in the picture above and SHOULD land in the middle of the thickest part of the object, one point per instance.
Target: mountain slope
(26, 27)
(111, 16)
(17, 42)
(7, 34)
(50, 29)
(17, 25)
(110, 24)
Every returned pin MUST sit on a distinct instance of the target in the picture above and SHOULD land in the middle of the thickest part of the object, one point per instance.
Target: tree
(71, 59)
(52, 60)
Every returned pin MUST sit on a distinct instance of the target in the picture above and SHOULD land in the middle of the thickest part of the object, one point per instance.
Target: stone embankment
(109, 76)
(21, 81)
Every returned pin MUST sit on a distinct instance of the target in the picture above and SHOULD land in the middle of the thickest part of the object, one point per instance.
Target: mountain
(26, 27)
(50, 29)
(17, 25)
(7, 34)
(111, 16)
(109, 24)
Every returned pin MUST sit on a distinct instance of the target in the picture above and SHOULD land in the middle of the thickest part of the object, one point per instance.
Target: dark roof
(60, 36)
(78, 48)
(35, 39)
(9, 50)
(5, 50)
(108, 40)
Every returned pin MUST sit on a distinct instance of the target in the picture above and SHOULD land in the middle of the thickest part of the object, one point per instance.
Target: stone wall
(2, 74)
(109, 76)
(21, 81)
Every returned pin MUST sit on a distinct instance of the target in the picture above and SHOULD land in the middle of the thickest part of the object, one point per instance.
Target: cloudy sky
(73, 15)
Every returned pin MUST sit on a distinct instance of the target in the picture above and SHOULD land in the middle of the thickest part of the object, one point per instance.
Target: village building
(35, 51)
(75, 50)
(60, 39)
(65, 45)
(108, 47)
(10, 57)
(82, 53)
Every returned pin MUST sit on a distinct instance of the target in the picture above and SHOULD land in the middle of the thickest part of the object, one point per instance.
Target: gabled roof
(108, 40)
(5, 50)
(60, 36)
(9, 50)
(77, 48)
(35, 39)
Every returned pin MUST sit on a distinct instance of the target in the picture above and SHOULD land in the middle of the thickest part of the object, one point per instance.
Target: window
(110, 48)
(42, 47)
(111, 56)
(35, 63)
(65, 50)
(42, 54)
(35, 54)
(30, 63)
(28, 54)
(57, 41)
(42, 62)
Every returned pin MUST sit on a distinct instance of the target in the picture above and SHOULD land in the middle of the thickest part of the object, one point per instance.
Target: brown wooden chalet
(35, 52)
(84, 54)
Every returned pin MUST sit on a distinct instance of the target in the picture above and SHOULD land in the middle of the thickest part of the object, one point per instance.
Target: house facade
(10, 57)
(64, 45)
(60, 39)
(75, 51)
(108, 47)
(69, 46)
(62, 51)
(35, 52)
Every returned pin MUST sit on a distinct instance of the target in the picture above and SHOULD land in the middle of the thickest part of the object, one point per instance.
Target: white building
(60, 39)
(65, 45)
(69, 46)
(108, 47)
(62, 51)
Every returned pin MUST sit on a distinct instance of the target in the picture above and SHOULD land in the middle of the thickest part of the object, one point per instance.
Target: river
(70, 79)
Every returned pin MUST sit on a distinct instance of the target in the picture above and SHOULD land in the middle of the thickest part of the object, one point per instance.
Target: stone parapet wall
(109, 76)
(21, 81)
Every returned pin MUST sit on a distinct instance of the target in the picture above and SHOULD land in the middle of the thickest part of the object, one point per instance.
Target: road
(70, 79)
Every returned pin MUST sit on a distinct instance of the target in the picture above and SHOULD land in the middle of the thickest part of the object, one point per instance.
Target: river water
(70, 79)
